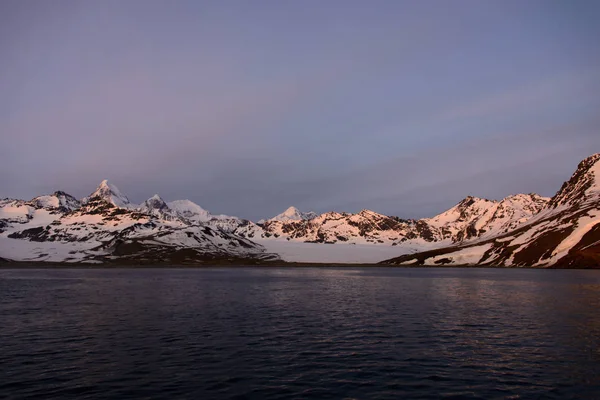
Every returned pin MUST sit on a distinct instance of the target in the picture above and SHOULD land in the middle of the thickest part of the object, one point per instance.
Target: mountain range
(523, 230)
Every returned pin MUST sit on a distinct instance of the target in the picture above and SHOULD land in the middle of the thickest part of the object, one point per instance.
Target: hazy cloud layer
(250, 107)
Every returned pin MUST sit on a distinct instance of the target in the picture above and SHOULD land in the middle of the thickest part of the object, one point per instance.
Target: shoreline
(279, 264)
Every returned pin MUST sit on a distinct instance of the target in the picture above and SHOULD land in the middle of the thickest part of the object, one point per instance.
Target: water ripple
(266, 333)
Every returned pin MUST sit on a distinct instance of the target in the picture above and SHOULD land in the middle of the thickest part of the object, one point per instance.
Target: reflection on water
(270, 333)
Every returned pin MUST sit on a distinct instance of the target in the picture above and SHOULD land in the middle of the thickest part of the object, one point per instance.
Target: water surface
(280, 333)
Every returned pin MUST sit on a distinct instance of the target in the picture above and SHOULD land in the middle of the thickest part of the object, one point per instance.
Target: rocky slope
(564, 233)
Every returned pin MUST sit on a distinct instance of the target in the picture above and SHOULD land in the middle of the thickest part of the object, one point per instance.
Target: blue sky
(248, 107)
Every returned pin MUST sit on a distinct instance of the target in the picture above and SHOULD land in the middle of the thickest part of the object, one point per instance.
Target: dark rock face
(586, 254)
(38, 234)
(424, 230)
(541, 248)
(156, 203)
(97, 206)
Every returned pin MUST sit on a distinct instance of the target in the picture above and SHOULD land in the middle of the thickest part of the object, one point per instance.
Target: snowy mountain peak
(58, 200)
(473, 200)
(154, 203)
(369, 213)
(475, 217)
(189, 210)
(519, 230)
(532, 201)
(291, 210)
(157, 207)
(583, 186)
(293, 214)
(109, 193)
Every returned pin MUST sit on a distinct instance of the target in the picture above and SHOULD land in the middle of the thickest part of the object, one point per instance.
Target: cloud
(528, 96)
(431, 180)
(250, 109)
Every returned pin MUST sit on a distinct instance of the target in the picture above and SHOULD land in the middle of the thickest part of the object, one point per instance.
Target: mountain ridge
(565, 233)
(98, 227)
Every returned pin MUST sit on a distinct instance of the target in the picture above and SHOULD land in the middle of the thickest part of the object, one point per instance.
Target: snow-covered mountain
(470, 219)
(335, 227)
(106, 227)
(157, 207)
(111, 194)
(475, 218)
(519, 230)
(292, 214)
(564, 233)
(59, 201)
(190, 210)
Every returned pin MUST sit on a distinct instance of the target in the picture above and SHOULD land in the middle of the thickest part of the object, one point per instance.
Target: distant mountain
(564, 233)
(190, 210)
(292, 214)
(105, 227)
(59, 201)
(110, 194)
(470, 219)
(157, 207)
(474, 218)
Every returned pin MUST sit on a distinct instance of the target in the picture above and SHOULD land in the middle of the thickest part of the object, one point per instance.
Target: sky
(249, 107)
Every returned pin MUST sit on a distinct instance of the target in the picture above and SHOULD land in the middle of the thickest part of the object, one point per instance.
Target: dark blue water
(265, 333)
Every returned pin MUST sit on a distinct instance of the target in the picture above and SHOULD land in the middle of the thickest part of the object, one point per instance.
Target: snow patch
(333, 253)
(293, 214)
(466, 256)
(584, 225)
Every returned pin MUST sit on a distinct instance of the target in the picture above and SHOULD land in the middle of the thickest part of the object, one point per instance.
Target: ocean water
(305, 333)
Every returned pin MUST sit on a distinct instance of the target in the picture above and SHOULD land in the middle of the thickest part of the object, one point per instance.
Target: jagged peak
(104, 185)
(186, 204)
(583, 184)
(155, 203)
(156, 199)
(590, 159)
(469, 206)
(365, 211)
(525, 197)
(190, 210)
(58, 194)
(293, 214)
(109, 193)
(57, 200)
(471, 200)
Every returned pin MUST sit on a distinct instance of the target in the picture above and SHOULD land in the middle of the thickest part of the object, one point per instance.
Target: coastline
(251, 264)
